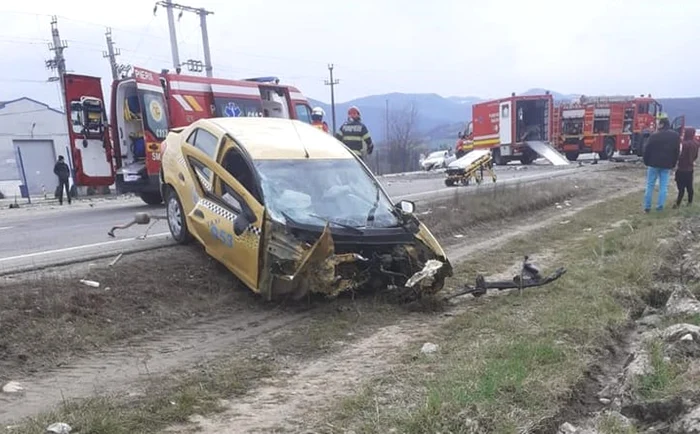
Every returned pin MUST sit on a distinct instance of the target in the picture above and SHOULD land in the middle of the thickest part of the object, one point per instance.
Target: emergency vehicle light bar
(604, 99)
(270, 79)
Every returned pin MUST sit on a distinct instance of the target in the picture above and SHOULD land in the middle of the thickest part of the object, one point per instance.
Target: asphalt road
(33, 238)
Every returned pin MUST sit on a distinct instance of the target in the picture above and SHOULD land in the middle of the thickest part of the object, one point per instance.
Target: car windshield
(315, 191)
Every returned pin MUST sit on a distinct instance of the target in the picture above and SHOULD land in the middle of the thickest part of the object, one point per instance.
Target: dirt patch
(45, 322)
(645, 376)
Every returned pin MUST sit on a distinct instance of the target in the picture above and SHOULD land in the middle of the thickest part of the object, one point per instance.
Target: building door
(38, 158)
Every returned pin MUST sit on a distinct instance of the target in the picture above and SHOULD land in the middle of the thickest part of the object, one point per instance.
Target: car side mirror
(406, 206)
(459, 135)
(240, 224)
(243, 220)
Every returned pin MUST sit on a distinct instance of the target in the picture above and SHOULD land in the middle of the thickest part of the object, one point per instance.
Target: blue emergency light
(270, 79)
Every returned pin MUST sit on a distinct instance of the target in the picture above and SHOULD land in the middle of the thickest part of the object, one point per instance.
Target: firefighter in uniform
(317, 119)
(355, 135)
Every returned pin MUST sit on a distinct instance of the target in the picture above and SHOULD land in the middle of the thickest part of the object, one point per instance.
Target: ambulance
(126, 150)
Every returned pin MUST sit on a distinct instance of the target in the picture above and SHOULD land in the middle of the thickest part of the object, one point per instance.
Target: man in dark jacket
(355, 135)
(62, 171)
(686, 165)
(660, 156)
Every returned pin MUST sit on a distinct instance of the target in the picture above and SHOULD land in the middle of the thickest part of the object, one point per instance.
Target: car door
(236, 190)
(236, 193)
(678, 124)
(207, 221)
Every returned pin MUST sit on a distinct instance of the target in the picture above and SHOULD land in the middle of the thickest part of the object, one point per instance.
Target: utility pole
(332, 84)
(58, 63)
(111, 54)
(205, 40)
(169, 5)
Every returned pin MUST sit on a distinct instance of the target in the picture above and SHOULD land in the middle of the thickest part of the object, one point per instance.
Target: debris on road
(429, 348)
(12, 387)
(115, 260)
(59, 428)
(141, 218)
(529, 277)
(91, 283)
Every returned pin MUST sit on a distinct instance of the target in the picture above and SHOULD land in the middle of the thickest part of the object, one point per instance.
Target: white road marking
(74, 248)
(5, 227)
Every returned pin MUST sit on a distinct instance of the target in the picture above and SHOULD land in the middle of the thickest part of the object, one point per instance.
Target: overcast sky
(449, 47)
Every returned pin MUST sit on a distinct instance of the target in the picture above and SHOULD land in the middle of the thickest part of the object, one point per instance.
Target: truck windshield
(336, 190)
(155, 119)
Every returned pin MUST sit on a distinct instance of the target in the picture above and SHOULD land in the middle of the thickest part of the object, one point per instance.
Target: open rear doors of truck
(88, 132)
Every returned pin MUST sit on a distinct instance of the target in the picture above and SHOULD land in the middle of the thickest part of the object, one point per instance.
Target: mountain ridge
(441, 118)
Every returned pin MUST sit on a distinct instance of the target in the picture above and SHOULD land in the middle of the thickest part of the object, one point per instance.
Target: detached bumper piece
(530, 278)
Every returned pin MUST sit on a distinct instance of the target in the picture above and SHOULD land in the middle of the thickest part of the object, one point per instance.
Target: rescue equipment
(471, 166)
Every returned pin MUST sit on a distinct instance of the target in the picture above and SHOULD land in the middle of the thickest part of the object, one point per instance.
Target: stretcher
(471, 166)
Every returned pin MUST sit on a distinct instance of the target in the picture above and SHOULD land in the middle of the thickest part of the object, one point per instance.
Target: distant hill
(440, 118)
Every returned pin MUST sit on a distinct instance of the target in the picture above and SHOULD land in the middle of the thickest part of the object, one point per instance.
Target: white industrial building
(35, 134)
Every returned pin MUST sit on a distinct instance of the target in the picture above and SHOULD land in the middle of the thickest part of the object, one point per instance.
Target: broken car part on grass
(529, 277)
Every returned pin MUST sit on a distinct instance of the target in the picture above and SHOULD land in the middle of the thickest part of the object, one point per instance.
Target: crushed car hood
(332, 266)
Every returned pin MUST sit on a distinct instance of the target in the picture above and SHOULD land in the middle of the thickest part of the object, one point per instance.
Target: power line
(203, 13)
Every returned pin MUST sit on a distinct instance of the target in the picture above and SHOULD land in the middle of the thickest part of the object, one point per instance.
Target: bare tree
(403, 139)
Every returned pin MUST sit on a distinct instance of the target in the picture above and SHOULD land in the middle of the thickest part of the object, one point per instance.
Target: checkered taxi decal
(251, 236)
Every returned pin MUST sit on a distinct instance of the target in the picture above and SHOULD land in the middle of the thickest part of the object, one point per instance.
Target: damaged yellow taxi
(289, 210)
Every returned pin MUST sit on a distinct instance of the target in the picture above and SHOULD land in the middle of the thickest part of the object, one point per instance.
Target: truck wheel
(177, 222)
(497, 158)
(151, 198)
(608, 149)
(449, 182)
(572, 156)
(527, 158)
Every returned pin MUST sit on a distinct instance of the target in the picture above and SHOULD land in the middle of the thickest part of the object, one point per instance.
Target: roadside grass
(666, 376)
(611, 424)
(508, 363)
(163, 402)
(46, 320)
(505, 203)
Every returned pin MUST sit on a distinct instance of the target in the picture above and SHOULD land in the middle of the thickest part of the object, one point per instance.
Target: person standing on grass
(660, 157)
(686, 164)
(62, 171)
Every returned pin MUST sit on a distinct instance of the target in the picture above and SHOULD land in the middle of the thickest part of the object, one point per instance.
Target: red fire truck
(144, 107)
(605, 124)
(505, 125)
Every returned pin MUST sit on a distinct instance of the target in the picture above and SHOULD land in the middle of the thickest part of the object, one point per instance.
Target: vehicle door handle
(181, 176)
(198, 213)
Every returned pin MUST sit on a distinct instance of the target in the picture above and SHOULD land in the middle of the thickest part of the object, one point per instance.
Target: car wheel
(151, 198)
(176, 218)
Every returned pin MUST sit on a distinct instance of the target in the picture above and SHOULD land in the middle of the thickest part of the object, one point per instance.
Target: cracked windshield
(338, 191)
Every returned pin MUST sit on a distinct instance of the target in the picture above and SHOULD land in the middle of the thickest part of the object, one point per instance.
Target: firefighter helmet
(318, 111)
(354, 113)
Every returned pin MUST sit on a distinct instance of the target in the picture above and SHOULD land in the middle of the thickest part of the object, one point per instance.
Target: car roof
(277, 139)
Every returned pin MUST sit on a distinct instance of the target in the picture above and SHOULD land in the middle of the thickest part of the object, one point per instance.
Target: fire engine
(505, 125)
(144, 107)
(605, 124)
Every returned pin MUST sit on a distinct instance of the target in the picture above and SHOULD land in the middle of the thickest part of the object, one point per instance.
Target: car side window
(206, 142)
(191, 137)
(303, 113)
(234, 163)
